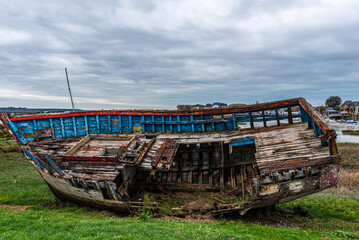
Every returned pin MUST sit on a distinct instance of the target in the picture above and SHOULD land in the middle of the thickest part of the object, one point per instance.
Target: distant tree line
(333, 102)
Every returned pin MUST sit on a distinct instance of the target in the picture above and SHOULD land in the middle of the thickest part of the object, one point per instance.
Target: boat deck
(276, 149)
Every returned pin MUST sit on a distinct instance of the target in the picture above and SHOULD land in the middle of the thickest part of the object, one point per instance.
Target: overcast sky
(157, 54)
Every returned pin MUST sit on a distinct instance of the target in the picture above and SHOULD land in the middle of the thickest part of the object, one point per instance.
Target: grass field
(350, 132)
(28, 210)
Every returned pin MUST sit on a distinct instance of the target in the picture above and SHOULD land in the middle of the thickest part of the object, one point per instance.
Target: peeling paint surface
(269, 189)
(330, 176)
(296, 186)
(62, 185)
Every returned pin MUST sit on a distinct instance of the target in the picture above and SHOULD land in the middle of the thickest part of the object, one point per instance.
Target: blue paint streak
(53, 165)
(192, 124)
(35, 160)
(130, 124)
(242, 141)
(120, 122)
(74, 123)
(62, 128)
(86, 126)
(153, 125)
(98, 124)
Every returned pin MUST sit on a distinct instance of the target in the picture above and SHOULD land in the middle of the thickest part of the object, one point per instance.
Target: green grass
(350, 132)
(8, 145)
(326, 212)
(21, 184)
(72, 223)
(331, 217)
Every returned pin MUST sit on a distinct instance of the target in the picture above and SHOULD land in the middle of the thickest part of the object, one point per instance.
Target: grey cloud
(158, 54)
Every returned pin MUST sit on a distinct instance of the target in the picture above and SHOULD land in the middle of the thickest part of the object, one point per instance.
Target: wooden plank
(222, 166)
(160, 153)
(319, 120)
(78, 146)
(130, 142)
(143, 153)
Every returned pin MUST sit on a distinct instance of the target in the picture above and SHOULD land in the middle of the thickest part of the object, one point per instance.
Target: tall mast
(68, 85)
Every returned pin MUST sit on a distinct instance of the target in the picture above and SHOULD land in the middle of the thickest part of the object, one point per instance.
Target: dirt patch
(15, 207)
(197, 203)
(55, 205)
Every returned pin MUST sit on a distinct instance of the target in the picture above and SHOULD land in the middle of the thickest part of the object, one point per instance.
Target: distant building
(201, 106)
(237, 105)
(330, 113)
(206, 106)
(349, 106)
(197, 107)
(219, 105)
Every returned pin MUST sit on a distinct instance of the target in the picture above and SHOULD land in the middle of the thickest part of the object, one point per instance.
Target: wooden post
(62, 128)
(74, 123)
(222, 170)
(120, 123)
(210, 173)
(153, 124)
(277, 116)
(290, 116)
(242, 178)
(203, 128)
(52, 128)
(233, 178)
(98, 124)
(163, 124)
(171, 124)
(251, 120)
(264, 118)
(192, 124)
(235, 125)
(143, 124)
(179, 125)
(86, 126)
(334, 147)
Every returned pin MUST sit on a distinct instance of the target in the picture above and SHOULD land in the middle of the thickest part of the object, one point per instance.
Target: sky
(158, 54)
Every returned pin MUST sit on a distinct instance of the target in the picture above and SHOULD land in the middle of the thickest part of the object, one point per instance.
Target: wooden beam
(154, 165)
(290, 116)
(251, 120)
(264, 118)
(241, 109)
(139, 159)
(277, 116)
(222, 163)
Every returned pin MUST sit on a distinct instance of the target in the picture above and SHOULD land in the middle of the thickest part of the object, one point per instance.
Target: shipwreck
(236, 158)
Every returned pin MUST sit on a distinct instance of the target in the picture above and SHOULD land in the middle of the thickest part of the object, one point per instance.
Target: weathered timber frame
(155, 138)
(107, 122)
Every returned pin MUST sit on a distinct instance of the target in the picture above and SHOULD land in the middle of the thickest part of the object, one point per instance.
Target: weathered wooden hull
(63, 190)
(110, 159)
(274, 194)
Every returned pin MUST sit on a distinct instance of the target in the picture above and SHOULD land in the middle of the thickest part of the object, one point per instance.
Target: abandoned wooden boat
(255, 155)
